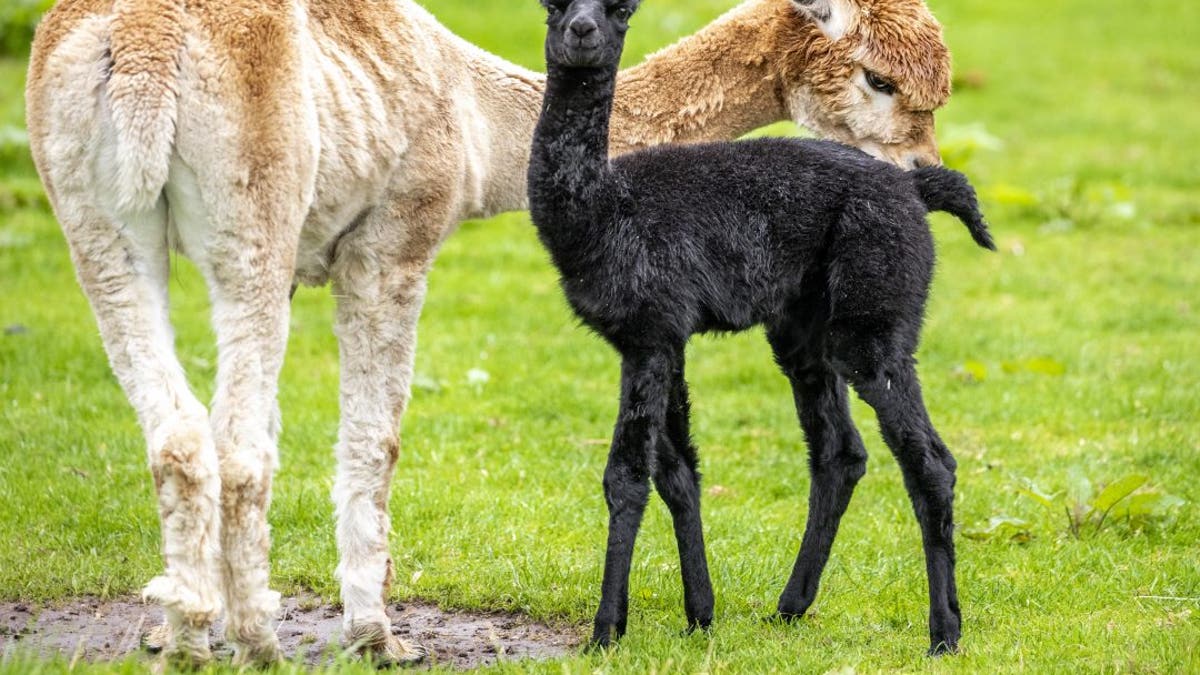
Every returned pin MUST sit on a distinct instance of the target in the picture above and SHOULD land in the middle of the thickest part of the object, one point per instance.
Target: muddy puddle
(104, 630)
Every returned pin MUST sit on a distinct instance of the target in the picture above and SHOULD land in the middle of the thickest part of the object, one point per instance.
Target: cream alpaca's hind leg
(377, 341)
(250, 318)
(246, 252)
(123, 269)
(248, 456)
(379, 303)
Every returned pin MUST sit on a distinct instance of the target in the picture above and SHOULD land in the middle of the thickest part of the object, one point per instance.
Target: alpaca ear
(833, 17)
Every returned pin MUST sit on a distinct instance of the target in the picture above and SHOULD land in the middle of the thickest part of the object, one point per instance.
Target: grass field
(1072, 352)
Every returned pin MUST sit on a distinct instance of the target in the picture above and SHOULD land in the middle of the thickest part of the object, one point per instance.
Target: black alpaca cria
(825, 247)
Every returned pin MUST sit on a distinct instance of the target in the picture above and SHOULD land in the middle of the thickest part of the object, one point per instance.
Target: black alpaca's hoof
(943, 648)
(605, 635)
(783, 618)
(697, 625)
(597, 644)
(944, 634)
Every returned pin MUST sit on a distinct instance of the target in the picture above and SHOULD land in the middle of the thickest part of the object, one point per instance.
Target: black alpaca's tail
(947, 190)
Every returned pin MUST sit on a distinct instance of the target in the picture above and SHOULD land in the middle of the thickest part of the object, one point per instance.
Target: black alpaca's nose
(583, 27)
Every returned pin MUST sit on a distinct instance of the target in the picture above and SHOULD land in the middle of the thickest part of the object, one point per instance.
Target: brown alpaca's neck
(718, 84)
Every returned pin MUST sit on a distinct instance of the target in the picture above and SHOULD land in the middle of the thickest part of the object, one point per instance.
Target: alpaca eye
(623, 13)
(878, 83)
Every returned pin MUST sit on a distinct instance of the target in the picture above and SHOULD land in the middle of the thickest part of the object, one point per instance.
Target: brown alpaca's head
(868, 73)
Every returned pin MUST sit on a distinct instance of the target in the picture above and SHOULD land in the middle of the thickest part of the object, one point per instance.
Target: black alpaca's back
(825, 247)
(722, 236)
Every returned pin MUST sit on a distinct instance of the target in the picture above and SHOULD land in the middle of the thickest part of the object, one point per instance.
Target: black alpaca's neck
(568, 168)
(573, 129)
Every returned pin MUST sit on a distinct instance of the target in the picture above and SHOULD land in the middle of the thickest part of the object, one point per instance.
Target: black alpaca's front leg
(928, 469)
(837, 460)
(677, 479)
(641, 424)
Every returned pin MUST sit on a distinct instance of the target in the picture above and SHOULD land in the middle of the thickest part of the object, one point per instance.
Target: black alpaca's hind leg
(928, 467)
(641, 425)
(677, 478)
(837, 460)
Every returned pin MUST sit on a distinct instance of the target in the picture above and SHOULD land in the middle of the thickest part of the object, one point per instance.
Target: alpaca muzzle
(583, 42)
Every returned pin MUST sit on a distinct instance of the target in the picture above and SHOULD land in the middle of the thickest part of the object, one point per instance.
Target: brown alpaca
(762, 62)
(284, 142)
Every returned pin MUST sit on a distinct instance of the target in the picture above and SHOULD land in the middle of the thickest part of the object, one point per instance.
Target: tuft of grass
(1073, 346)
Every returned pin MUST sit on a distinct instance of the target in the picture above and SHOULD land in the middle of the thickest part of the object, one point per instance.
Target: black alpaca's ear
(624, 10)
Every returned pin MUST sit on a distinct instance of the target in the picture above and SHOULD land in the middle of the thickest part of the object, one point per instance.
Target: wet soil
(103, 630)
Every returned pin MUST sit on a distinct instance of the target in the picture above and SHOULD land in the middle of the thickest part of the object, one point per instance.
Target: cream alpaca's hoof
(266, 653)
(186, 651)
(376, 642)
(254, 641)
(180, 659)
(189, 651)
(158, 638)
(183, 638)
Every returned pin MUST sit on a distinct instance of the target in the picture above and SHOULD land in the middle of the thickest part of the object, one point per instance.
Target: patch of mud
(103, 630)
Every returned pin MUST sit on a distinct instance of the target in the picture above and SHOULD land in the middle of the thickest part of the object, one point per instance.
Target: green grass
(497, 498)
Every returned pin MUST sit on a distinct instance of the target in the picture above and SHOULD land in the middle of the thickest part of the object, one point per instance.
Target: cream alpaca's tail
(142, 91)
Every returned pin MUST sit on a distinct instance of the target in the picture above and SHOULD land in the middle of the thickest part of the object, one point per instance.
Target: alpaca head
(868, 73)
(586, 33)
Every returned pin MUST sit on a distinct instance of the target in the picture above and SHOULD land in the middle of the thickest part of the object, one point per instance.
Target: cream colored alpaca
(284, 142)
